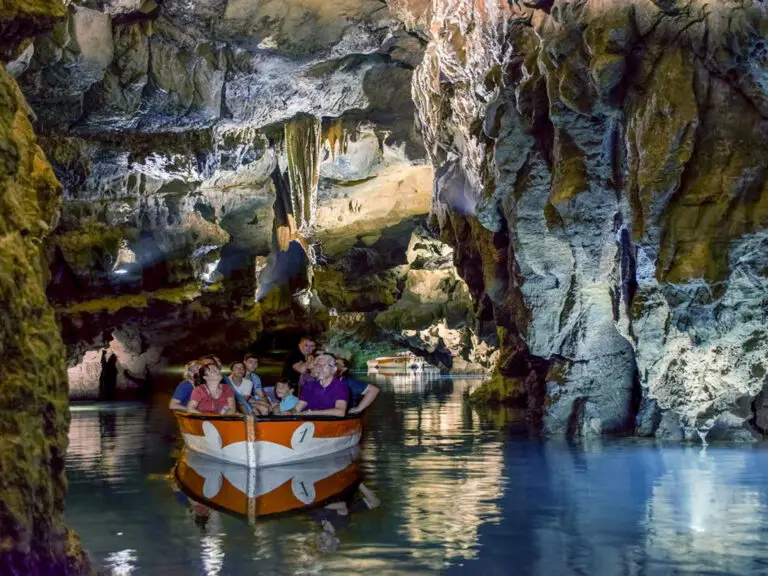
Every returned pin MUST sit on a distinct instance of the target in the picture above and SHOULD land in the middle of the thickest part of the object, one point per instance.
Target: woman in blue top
(183, 391)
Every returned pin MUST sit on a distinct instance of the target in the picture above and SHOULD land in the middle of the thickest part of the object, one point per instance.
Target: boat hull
(268, 442)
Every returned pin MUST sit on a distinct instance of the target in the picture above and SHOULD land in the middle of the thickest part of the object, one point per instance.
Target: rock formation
(216, 154)
(600, 172)
(33, 389)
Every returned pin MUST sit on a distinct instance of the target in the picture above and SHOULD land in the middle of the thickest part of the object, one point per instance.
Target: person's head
(324, 366)
(237, 369)
(191, 369)
(342, 366)
(307, 345)
(210, 359)
(251, 362)
(283, 389)
(210, 373)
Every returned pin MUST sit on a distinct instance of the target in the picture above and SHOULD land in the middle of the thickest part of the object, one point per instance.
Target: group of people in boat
(313, 383)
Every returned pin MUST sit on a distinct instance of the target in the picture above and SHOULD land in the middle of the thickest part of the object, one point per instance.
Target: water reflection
(256, 493)
(435, 488)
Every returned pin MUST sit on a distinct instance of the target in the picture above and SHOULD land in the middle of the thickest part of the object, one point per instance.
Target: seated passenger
(251, 363)
(325, 395)
(288, 401)
(212, 396)
(183, 391)
(238, 381)
(361, 394)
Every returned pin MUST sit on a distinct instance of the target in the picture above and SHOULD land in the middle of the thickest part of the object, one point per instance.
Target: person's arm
(258, 388)
(300, 367)
(301, 406)
(369, 395)
(174, 404)
(340, 409)
(192, 407)
(231, 407)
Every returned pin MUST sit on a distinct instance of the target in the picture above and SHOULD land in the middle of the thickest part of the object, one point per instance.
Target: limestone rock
(598, 172)
(33, 391)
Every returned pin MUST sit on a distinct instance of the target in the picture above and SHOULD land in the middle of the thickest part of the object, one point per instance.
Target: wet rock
(648, 418)
(33, 391)
(669, 428)
(598, 175)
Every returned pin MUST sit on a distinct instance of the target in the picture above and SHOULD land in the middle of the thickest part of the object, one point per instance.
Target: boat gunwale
(266, 419)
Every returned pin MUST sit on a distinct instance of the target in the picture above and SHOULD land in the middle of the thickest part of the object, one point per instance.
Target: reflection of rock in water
(570, 510)
(104, 440)
(709, 513)
(448, 499)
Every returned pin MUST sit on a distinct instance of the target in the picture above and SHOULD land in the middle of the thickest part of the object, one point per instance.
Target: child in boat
(260, 395)
(288, 400)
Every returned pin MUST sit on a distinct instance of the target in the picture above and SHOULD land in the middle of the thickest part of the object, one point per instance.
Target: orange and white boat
(262, 442)
(253, 493)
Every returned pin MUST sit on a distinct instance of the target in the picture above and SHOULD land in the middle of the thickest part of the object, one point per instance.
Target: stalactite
(302, 145)
(334, 134)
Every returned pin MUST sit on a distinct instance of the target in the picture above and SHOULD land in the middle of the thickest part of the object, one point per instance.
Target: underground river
(443, 490)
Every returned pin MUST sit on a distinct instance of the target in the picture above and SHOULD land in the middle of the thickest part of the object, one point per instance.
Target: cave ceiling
(167, 122)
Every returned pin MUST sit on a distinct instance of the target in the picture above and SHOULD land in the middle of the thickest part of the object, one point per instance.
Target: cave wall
(33, 388)
(178, 132)
(165, 122)
(600, 169)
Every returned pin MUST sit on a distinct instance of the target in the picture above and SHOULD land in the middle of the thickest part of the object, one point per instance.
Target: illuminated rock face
(600, 172)
(194, 140)
(33, 390)
(165, 124)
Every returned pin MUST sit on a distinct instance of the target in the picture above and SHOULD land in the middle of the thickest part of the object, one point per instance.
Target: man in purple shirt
(325, 395)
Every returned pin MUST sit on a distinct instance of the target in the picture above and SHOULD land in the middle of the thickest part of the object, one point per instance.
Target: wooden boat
(262, 442)
(253, 493)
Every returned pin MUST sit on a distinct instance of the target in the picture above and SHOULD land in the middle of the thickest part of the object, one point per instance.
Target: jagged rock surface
(600, 171)
(178, 133)
(399, 285)
(33, 390)
(164, 124)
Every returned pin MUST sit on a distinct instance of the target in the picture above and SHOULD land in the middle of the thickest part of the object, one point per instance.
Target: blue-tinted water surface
(457, 495)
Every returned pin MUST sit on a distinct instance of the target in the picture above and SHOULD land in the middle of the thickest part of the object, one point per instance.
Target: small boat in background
(268, 491)
(400, 362)
(259, 443)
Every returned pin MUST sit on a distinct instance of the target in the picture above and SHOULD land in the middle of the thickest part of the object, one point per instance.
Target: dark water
(457, 495)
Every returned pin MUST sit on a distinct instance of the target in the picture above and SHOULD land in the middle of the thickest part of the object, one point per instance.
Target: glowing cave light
(209, 269)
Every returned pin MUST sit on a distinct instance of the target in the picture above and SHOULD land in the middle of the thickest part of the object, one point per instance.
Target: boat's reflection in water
(256, 493)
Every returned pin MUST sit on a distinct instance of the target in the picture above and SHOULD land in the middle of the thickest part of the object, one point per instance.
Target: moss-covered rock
(33, 387)
(500, 389)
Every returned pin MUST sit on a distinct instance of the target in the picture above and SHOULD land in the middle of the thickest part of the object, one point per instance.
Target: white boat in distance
(401, 362)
